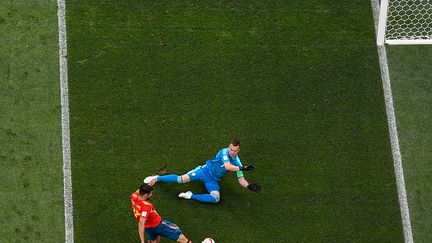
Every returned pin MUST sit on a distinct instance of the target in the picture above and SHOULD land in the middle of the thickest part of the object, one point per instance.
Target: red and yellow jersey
(144, 209)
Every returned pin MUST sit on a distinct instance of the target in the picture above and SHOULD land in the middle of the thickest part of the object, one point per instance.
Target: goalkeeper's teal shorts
(200, 173)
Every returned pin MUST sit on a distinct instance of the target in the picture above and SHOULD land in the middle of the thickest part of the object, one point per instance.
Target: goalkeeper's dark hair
(235, 142)
(145, 189)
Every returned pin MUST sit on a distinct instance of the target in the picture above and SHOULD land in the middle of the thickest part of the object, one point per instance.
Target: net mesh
(409, 20)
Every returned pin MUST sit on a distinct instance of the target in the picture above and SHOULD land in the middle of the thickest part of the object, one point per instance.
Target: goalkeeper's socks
(170, 178)
(207, 198)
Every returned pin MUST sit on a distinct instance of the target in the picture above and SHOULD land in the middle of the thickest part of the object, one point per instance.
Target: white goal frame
(411, 40)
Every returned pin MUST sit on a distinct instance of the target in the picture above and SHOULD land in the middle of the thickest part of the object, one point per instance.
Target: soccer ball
(208, 240)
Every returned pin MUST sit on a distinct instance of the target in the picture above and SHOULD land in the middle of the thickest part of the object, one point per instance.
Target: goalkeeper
(211, 173)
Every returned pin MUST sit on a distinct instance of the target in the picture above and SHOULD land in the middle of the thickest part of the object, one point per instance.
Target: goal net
(405, 22)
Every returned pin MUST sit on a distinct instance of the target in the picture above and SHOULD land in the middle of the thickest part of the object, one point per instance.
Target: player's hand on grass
(248, 167)
(254, 187)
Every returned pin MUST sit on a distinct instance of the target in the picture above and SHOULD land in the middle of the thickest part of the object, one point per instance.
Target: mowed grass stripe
(307, 107)
(31, 198)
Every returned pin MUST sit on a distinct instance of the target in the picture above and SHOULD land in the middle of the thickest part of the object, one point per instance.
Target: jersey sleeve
(224, 156)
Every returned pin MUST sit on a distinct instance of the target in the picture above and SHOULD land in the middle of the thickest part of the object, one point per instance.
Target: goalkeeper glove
(254, 187)
(248, 167)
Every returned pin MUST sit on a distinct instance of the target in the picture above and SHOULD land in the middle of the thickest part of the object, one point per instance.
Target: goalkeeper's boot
(148, 179)
(185, 195)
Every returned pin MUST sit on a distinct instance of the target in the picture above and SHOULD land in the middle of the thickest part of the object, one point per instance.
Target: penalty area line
(391, 119)
(64, 93)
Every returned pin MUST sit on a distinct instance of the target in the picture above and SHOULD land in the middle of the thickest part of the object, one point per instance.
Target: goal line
(391, 118)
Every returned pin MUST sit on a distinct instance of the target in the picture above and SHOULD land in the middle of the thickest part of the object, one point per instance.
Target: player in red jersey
(149, 220)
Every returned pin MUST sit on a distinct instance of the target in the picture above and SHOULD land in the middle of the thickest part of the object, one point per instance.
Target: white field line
(391, 118)
(67, 174)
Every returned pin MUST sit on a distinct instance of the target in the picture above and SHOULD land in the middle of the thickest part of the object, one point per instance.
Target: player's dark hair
(145, 189)
(235, 142)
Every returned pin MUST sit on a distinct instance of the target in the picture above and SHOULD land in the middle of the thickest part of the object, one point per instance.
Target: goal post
(405, 22)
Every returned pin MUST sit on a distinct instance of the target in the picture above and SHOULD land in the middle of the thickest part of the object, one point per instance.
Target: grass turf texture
(31, 195)
(412, 88)
(169, 82)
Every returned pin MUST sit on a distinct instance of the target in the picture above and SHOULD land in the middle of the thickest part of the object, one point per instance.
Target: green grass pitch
(298, 80)
(31, 185)
(170, 82)
(412, 89)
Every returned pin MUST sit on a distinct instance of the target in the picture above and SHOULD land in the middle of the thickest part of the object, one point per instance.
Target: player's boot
(148, 179)
(186, 195)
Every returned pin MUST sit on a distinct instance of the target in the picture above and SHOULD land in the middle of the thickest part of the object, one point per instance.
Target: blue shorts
(200, 174)
(166, 229)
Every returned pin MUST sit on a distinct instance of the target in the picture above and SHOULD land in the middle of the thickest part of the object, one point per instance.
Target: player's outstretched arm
(141, 225)
(230, 167)
(251, 186)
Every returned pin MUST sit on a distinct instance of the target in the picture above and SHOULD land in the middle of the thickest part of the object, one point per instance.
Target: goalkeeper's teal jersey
(216, 167)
